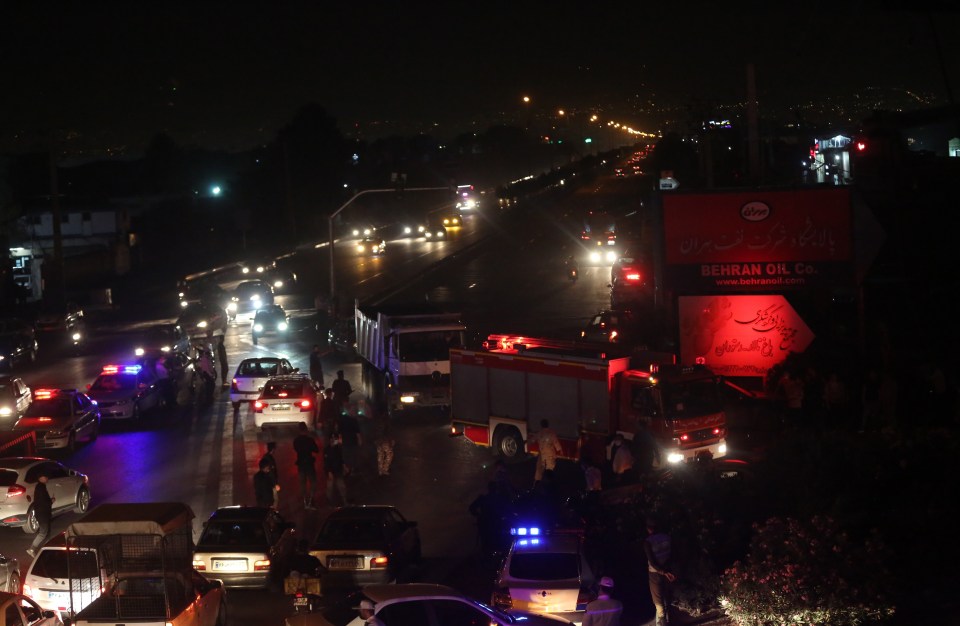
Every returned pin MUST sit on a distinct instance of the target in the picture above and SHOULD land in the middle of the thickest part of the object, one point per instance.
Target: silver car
(15, 397)
(69, 489)
(252, 374)
(61, 418)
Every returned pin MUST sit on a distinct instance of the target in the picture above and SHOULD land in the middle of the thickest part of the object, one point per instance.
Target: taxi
(126, 391)
(545, 573)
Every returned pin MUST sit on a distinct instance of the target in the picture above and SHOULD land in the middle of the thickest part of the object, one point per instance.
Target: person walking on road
(265, 485)
(549, 447)
(604, 611)
(43, 511)
(341, 389)
(316, 365)
(333, 465)
(657, 549)
(306, 446)
(222, 358)
(351, 440)
(272, 462)
(329, 411)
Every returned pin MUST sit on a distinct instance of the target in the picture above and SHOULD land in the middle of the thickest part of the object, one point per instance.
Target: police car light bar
(524, 531)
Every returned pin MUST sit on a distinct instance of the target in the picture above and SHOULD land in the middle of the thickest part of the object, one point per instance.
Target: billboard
(740, 335)
(759, 240)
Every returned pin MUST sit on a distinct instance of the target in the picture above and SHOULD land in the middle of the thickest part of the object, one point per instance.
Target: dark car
(613, 326)
(342, 337)
(631, 280)
(270, 320)
(16, 349)
(63, 318)
(202, 319)
(249, 296)
(161, 339)
(372, 245)
(245, 546)
(359, 545)
(60, 418)
(282, 281)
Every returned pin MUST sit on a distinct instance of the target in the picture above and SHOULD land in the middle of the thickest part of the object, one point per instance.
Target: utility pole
(55, 269)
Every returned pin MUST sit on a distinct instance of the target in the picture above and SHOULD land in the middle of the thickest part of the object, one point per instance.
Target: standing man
(306, 446)
(549, 447)
(316, 365)
(604, 611)
(341, 389)
(222, 357)
(272, 462)
(43, 509)
(333, 465)
(352, 440)
(264, 485)
(657, 548)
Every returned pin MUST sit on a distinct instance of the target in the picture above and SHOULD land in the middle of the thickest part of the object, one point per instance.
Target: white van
(48, 580)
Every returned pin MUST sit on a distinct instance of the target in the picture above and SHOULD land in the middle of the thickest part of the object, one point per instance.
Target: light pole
(333, 289)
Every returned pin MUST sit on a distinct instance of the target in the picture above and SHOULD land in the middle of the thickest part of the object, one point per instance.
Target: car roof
(270, 309)
(384, 592)
(361, 511)
(552, 544)
(262, 359)
(238, 513)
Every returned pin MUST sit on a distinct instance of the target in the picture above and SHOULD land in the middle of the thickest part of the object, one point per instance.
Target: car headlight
(5, 411)
(360, 247)
(246, 270)
(202, 324)
(139, 351)
(76, 336)
(258, 328)
(232, 307)
(407, 230)
(183, 304)
(56, 433)
(611, 256)
(427, 234)
(282, 326)
(277, 284)
(674, 457)
(595, 257)
(255, 297)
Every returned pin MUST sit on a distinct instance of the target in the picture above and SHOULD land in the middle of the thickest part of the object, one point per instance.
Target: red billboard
(758, 240)
(740, 335)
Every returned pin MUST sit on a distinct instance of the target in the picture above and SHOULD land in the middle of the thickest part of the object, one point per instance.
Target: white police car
(125, 391)
(545, 573)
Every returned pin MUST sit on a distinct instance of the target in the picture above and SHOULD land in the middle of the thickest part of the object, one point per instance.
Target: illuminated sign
(740, 335)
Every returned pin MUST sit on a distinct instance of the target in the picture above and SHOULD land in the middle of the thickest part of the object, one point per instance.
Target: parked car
(252, 374)
(18, 477)
(61, 418)
(126, 391)
(9, 574)
(364, 544)
(419, 603)
(15, 397)
(270, 320)
(545, 573)
(56, 574)
(288, 399)
(245, 546)
(17, 610)
(59, 318)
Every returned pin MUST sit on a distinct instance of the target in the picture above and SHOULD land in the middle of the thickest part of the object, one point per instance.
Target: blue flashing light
(131, 369)
(523, 531)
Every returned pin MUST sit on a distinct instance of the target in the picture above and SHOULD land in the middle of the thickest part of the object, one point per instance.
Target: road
(503, 272)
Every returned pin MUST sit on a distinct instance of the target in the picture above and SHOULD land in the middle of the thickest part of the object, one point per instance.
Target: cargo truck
(589, 393)
(406, 354)
(145, 562)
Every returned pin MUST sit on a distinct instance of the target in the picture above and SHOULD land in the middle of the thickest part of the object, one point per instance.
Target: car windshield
(259, 369)
(692, 399)
(356, 531)
(53, 564)
(114, 382)
(56, 407)
(227, 534)
(544, 566)
(428, 346)
(283, 390)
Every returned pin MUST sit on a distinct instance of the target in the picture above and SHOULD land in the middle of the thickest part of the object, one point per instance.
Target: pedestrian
(384, 443)
(604, 611)
(548, 445)
(489, 509)
(222, 358)
(316, 365)
(367, 609)
(333, 465)
(352, 440)
(341, 389)
(306, 446)
(43, 511)
(657, 549)
(272, 461)
(501, 476)
(265, 485)
(329, 410)
(592, 483)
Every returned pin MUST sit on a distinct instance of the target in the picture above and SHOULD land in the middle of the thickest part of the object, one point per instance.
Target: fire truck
(500, 393)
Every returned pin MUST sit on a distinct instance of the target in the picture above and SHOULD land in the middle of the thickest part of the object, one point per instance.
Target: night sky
(228, 75)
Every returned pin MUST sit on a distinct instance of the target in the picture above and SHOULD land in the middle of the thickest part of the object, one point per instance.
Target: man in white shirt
(604, 611)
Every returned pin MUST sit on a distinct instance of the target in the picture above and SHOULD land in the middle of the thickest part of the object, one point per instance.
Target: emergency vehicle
(589, 393)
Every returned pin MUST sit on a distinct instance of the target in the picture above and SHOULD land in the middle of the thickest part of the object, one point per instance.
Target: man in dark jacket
(306, 447)
(43, 510)
(264, 485)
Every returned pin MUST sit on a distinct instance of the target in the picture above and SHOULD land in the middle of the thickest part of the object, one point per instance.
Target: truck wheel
(508, 443)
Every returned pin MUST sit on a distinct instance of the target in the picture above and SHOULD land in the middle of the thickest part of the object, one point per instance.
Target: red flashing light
(111, 369)
(43, 394)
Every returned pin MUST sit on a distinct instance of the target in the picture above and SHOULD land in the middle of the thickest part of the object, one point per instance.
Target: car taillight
(258, 406)
(685, 437)
(378, 562)
(305, 404)
(585, 597)
(502, 599)
(233, 385)
(633, 277)
(199, 565)
(262, 565)
(16, 490)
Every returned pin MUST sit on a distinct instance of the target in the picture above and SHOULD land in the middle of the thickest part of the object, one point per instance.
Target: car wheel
(508, 443)
(222, 614)
(83, 500)
(32, 526)
(14, 583)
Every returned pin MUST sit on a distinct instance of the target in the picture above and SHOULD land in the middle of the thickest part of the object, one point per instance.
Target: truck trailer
(588, 393)
(406, 354)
